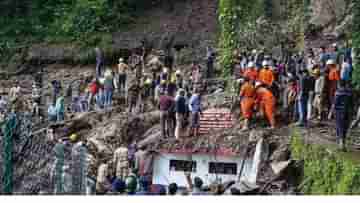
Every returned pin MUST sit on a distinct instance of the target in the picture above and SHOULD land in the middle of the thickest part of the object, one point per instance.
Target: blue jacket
(195, 103)
(343, 100)
(346, 73)
(180, 105)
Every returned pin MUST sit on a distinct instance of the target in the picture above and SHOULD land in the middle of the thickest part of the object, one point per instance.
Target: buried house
(217, 157)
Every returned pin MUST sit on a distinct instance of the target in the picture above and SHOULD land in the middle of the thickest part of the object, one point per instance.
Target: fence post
(59, 168)
(79, 169)
(8, 131)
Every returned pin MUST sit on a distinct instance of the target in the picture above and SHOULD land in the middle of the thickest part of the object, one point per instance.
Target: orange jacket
(251, 73)
(264, 95)
(266, 76)
(334, 74)
(267, 104)
(247, 90)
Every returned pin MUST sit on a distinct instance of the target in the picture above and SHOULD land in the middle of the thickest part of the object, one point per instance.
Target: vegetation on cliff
(325, 172)
(87, 22)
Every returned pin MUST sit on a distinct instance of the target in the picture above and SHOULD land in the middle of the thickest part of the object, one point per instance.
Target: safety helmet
(108, 73)
(258, 83)
(241, 80)
(73, 137)
(148, 81)
(316, 71)
(330, 62)
(251, 64)
(178, 72)
(165, 70)
(254, 51)
(102, 81)
(334, 45)
(121, 60)
(265, 63)
(131, 183)
(163, 82)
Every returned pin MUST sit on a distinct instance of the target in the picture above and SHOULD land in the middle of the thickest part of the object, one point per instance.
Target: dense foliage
(325, 172)
(234, 17)
(81, 21)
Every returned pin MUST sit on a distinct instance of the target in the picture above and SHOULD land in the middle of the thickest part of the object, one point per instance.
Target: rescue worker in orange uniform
(251, 72)
(333, 78)
(266, 101)
(247, 98)
(266, 75)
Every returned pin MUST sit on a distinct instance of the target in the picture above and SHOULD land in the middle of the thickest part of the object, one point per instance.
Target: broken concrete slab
(279, 167)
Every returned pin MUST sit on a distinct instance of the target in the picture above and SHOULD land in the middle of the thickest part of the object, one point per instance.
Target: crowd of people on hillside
(311, 87)
(302, 88)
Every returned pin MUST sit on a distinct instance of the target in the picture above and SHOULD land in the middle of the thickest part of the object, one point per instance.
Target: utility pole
(8, 131)
(59, 168)
(79, 169)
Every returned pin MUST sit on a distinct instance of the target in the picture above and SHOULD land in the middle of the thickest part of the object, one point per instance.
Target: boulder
(279, 167)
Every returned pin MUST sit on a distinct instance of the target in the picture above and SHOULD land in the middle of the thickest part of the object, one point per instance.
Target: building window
(223, 168)
(181, 165)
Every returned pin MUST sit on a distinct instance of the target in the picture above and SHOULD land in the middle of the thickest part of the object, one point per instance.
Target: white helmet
(251, 64)
(254, 51)
(258, 83)
(334, 45)
(178, 72)
(121, 60)
(102, 81)
(265, 63)
(165, 70)
(240, 80)
(330, 62)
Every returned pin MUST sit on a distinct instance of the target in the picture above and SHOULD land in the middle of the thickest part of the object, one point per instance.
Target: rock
(256, 135)
(151, 136)
(279, 167)
(282, 153)
(243, 187)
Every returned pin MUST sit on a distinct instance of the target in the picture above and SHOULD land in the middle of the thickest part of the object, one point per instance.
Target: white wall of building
(162, 175)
